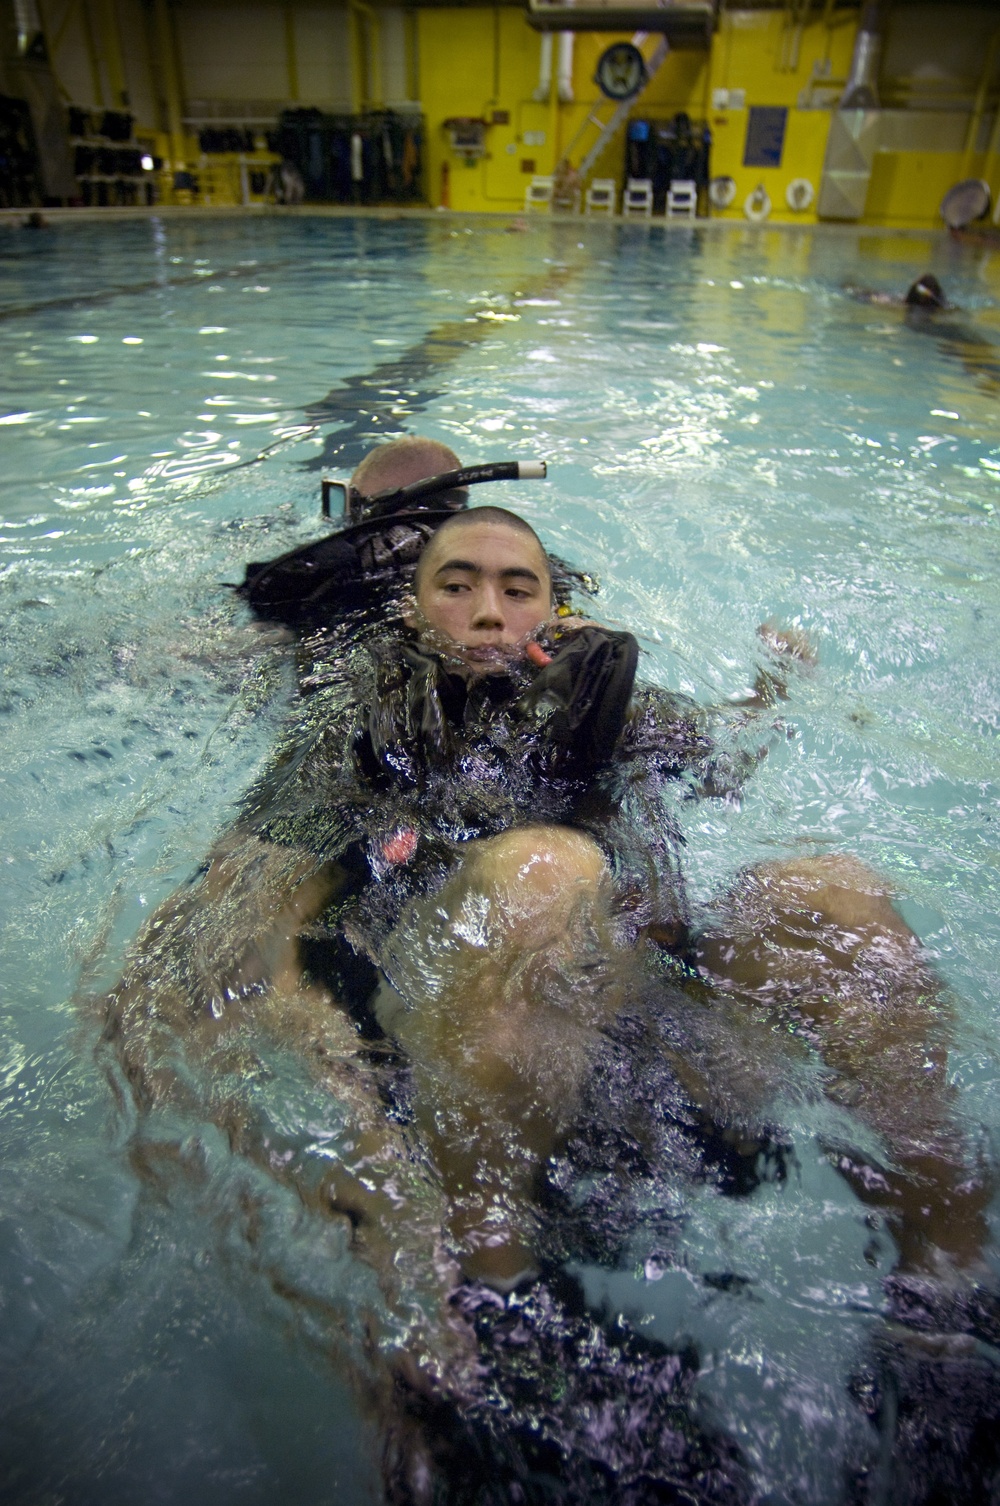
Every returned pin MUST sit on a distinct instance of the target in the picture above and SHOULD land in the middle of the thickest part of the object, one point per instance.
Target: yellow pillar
(411, 43)
(377, 83)
(168, 72)
(113, 59)
(54, 39)
(359, 60)
(980, 106)
(291, 56)
(990, 162)
(52, 44)
(92, 58)
(366, 83)
(554, 105)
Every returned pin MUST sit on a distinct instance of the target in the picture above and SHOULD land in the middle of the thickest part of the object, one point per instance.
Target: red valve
(401, 847)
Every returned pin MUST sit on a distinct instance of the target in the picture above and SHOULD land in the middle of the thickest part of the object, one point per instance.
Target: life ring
(757, 205)
(965, 202)
(722, 192)
(799, 194)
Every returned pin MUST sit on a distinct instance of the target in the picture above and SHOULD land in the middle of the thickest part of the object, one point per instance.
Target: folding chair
(538, 194)
(601, 196)
(682, 199)
(638, 197)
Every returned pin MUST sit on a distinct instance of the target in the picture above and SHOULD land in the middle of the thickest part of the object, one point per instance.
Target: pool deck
(15, 218)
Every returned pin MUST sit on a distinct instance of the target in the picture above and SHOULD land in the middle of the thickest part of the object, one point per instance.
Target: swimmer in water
(922, 304)
(459, 869)
(512, 788)
(925, 293)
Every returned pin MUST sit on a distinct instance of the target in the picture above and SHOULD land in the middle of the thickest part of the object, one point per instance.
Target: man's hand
(786, 644)
(793, 642)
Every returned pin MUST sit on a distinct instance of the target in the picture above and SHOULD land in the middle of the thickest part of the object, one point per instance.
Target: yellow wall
(755, 50)
(907, 187)
(477, 61)
(236, 60)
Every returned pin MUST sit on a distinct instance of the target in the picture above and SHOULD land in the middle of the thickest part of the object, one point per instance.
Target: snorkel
(448, 490)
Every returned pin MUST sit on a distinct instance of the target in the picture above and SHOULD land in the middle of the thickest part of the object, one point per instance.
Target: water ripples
(731, 438)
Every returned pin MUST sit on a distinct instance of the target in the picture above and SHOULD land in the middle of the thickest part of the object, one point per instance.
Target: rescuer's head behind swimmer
(925, 293)
(483, 586)
(401, 462)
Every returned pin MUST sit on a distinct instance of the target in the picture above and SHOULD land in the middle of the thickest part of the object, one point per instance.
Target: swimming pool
(730, 437)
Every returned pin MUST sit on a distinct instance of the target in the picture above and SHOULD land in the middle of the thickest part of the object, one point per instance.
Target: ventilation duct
(854, 128)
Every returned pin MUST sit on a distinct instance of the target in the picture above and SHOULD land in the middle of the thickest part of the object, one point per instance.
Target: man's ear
(410, 611)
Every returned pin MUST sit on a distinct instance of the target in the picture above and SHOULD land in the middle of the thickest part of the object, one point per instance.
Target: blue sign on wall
(765, 136)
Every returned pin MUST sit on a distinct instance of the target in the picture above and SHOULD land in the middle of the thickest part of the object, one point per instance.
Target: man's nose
(489, 608)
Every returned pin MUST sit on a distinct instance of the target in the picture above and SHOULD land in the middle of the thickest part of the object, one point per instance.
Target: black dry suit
(348, 575)
(406, 760)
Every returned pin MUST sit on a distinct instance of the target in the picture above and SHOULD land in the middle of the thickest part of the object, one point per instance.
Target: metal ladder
(607, 127)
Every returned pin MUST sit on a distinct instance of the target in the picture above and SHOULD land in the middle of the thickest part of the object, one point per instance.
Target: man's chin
(476, 658)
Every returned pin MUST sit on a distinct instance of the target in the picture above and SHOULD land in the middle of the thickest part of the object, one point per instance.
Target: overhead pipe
(861, 89)
(541, 93)
(565, 86)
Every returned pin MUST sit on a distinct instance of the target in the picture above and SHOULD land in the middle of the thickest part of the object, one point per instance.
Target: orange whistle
(536, 653)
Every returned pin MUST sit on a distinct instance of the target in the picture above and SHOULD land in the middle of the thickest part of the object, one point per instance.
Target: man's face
(486, 587)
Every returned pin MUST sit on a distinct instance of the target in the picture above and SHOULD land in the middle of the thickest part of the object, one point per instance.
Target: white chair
(538, 194)
(601, 196)
(682, 199)
(638, 197)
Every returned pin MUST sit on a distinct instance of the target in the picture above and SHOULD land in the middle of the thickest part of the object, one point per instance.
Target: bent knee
(831, 889)
(540, 859)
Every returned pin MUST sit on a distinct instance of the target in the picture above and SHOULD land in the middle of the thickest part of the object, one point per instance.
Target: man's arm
(229, 936)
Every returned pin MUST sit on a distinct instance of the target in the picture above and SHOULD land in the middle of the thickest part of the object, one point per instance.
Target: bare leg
(820, 940)
(507, 974)
(213, 990)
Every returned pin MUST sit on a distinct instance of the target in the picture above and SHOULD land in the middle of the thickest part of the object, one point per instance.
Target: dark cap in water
(926, 293)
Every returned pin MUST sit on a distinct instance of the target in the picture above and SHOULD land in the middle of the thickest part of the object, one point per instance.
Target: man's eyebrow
(514, 572)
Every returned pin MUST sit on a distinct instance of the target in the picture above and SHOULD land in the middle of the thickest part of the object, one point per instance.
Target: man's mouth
(489, 651)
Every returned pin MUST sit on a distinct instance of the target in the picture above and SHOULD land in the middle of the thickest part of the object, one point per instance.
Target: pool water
(731, 437)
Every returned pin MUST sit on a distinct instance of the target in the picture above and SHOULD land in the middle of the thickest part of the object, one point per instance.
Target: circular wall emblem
(621, 71)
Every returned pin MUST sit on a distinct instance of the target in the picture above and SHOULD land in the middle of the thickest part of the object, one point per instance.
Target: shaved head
(401, 462)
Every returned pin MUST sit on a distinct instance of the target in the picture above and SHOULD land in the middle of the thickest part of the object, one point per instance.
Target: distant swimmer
(926, 293)
(925, 308)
